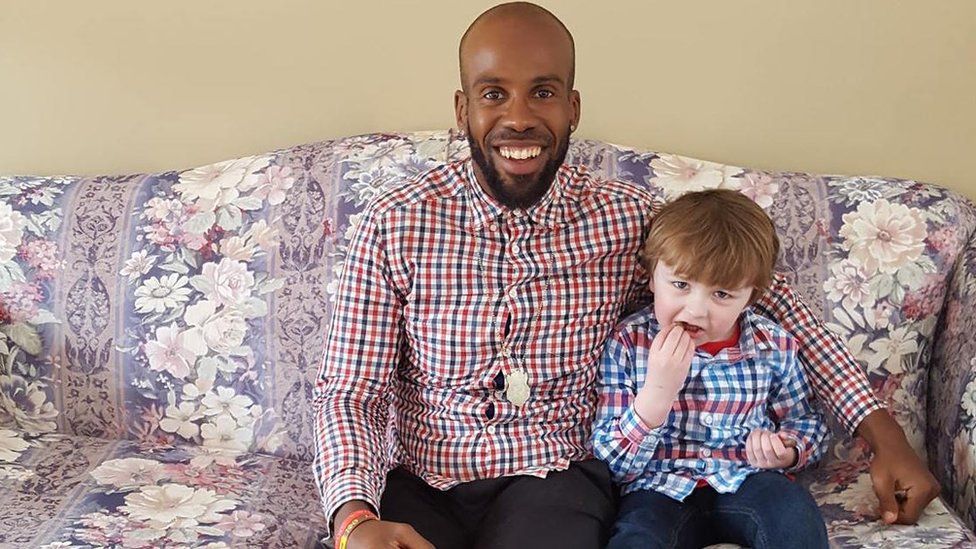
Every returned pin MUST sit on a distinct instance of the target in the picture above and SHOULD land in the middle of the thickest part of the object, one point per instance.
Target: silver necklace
(517, 387)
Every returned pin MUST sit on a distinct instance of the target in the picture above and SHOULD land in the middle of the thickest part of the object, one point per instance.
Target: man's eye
(492, 95)
(544, 94)
(681, 285)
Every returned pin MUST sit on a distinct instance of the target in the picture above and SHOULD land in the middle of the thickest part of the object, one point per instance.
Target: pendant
(517, 387)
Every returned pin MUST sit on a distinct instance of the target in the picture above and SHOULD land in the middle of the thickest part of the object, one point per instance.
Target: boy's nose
(695, 308)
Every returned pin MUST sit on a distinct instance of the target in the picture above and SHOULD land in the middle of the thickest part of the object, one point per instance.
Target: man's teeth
(521, 153)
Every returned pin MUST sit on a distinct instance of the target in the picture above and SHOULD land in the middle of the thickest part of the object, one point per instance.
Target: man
(471, 313)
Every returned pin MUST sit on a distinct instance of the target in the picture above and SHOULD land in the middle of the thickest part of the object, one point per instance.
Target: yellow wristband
(344, 538)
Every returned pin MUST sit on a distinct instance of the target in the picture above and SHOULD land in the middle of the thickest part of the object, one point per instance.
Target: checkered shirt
(444, 291)
(757, 384)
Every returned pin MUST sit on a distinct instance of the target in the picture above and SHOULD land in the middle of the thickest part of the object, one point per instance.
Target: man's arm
(836, 378)
(350, 396)
(639, 292)
(843, 387)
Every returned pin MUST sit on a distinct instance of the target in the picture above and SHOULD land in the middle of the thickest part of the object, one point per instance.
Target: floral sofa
(160, 335)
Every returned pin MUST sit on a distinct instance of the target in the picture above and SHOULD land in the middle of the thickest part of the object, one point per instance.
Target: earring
(572, 127)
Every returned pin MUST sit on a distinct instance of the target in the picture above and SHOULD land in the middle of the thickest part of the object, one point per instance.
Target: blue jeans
(768, 511)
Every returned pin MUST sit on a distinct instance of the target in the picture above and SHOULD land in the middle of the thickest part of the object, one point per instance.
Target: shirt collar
(548, 211)
(748, 345)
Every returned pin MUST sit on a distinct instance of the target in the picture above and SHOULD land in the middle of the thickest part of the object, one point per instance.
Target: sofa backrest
(192, 306)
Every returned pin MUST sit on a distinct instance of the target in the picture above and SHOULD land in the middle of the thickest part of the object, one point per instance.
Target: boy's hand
(769, 450)
(667, 368)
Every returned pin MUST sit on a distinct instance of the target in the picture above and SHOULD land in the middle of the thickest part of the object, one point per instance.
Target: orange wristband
(352, 521)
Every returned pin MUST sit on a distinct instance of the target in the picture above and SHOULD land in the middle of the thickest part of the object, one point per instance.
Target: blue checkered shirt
(757, 384)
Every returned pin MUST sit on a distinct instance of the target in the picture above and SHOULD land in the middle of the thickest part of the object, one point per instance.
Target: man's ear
(645, 263)
(461, 110)
(574, 101)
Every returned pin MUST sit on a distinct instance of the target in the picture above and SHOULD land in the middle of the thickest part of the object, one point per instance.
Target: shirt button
(707, 419)
(492, 227)
(490, 429)
(706, 453)
(516, 248)
(512, 293)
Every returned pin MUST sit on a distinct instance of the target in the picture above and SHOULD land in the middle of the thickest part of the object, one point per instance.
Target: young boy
(703, 404)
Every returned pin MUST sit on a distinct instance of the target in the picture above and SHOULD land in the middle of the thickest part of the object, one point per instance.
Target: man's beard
(535, 186)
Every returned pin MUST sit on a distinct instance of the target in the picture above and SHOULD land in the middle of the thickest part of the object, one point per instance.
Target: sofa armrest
(951, 412)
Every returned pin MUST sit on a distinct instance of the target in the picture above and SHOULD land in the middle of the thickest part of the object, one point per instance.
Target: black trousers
(568, 509)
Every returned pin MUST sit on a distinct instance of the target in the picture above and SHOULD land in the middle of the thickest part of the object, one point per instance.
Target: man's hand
(382, 533)
(667, 368)
(378, 533)
(768, 450)
(901, 481)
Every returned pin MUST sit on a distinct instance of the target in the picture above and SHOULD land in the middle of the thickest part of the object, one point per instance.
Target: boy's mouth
(690, 328)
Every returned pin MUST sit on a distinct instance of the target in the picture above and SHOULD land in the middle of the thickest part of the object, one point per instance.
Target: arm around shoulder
(831, 370)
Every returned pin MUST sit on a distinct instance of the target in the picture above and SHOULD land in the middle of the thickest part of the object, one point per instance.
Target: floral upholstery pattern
(160, 335)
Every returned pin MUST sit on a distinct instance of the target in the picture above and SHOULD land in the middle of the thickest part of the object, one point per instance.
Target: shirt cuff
(855, 403)
(343, 488)
(635, 430)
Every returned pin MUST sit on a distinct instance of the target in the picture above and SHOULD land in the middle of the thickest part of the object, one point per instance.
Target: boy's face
(708, 313)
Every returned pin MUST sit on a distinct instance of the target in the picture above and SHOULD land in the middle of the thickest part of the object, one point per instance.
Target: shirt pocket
(581, 311)
(449, 319)
(737, 398)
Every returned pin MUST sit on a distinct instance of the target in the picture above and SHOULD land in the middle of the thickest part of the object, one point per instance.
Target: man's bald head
(517, 104)
(529, 16)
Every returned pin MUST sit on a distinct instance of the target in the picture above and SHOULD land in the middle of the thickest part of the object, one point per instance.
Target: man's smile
(520, 158)
(519, 153)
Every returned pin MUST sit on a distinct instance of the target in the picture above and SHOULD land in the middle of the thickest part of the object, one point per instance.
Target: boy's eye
(679, 284)
(722, 295)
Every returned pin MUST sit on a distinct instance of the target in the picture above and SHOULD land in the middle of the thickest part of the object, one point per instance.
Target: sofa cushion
(75, 491)
(846, 498)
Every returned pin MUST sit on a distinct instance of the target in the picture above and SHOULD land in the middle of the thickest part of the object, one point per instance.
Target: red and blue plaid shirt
(756, 384)
(444, 291)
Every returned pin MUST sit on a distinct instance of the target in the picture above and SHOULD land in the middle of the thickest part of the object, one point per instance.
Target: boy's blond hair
(717, 237)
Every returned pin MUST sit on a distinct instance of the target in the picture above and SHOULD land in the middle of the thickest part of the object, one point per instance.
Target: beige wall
(867, 87)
